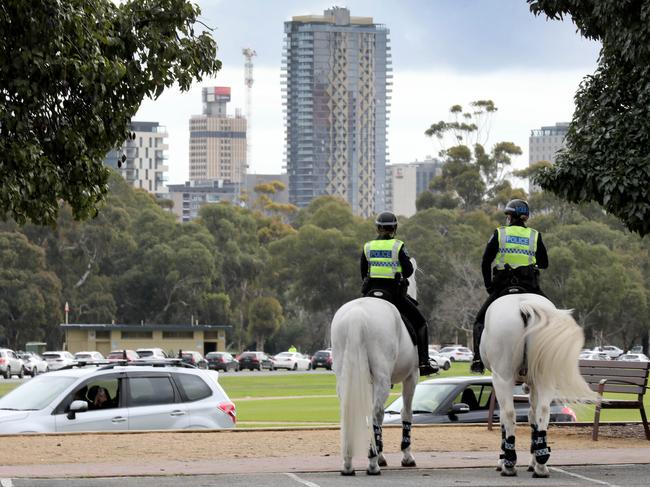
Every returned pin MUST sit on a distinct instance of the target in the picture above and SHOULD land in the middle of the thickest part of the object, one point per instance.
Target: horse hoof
(373, 472)
(531, 468)
(382, 462)
(499, 468)
(408, 463)
(540, 476)
(508, 472)
(351, 473)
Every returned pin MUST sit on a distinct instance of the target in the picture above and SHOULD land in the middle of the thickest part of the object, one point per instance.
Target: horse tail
(354, 383)
(554, 340)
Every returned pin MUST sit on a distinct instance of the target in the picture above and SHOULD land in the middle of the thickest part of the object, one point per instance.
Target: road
(608, 476)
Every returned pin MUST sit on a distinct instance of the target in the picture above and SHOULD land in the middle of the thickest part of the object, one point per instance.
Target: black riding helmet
(518, 209)
(386, 221)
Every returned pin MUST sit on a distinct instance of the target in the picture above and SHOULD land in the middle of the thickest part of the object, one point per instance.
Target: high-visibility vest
(517, 247)
(383, 258)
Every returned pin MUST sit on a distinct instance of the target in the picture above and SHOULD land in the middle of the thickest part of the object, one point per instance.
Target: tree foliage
(607, 155)
(72, 74)
(470, 173)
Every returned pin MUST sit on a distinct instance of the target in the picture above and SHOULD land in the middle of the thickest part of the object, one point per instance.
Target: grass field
(273, 400)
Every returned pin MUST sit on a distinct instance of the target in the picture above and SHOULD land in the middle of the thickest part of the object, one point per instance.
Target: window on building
(189, 334)
(102, 335)
(132, 334)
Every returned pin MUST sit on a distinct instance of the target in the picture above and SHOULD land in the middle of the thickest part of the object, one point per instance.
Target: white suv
(612, 351)
(10, 364)
(457, 353)
(58, 360)
(114, 397)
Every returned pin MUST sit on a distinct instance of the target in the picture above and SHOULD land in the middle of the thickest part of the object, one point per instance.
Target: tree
(265, 318)
(30, 300)
(607, 153)
(470, 172)
(72, 75)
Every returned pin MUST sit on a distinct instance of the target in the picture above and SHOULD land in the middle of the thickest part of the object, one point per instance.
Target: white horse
(371, 349)
(526, 338)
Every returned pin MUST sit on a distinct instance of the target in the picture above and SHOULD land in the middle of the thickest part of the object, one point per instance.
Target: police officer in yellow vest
(516, 252)
(385, 265)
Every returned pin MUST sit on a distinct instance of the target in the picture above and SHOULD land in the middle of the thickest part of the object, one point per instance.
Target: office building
(188, 198)
(217, 140)
(405, 182)
(544, 143)
(146, 157)
(336, 93)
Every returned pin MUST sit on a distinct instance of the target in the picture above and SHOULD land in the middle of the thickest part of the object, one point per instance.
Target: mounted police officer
(386, 266)
(517, 253)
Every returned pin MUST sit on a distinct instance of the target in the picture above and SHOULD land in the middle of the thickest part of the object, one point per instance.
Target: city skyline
(444, 53)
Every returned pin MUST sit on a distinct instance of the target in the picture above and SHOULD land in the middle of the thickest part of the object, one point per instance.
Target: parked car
(634, 357)
(134, 397)
(636, 349)
(195, 358)
(10, 364)
(457, 353)
(88, 356)
(222, 361)
(593, 356)
(322, 358)
(291, 361)
(34, 363)
(151, 353)
(610, 350)
(255, 361)
(434, 399)
(443, 362)
(58, 359)
(122, 354)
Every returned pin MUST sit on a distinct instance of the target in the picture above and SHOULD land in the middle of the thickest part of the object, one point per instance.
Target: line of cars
(611, 352)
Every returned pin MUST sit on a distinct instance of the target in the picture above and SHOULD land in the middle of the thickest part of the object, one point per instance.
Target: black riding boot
(477, 364)
(426, 366)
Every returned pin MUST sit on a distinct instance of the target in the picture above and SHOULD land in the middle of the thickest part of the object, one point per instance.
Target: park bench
(629, 378)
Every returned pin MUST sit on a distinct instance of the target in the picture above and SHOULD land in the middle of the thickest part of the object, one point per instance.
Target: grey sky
(444, 52)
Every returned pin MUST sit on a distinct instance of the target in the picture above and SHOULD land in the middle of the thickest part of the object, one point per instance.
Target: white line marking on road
(303, 482)
(6, 483)
(601, 482)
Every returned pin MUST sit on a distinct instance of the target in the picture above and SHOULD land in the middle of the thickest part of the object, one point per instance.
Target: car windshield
(447, 349)
(51, 356)
(285, 354)
(213, 355)
(428, 397)
(145, 353)
(82, 355)
(36, 393)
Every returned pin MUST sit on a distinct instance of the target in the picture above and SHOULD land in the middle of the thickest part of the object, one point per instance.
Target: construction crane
(248, 81)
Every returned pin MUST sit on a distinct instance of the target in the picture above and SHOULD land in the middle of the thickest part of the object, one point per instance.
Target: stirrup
(477, 367)
(428, 368)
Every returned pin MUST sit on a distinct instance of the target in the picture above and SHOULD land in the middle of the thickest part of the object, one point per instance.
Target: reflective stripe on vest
(383, 258)
(517, 247)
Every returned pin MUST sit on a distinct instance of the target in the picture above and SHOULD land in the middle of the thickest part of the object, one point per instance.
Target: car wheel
(446, 366)
(21, 374)
(295, 367)
(452, 359)
(8, 373)
(308, 366)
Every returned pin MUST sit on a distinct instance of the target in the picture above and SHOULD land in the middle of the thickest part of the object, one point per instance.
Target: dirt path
(241, 443)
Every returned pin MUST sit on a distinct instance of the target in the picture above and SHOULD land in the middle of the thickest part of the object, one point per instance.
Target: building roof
(145, 327)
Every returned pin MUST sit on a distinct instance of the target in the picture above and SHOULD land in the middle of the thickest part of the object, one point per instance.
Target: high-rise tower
(336, 93)
(217, 140)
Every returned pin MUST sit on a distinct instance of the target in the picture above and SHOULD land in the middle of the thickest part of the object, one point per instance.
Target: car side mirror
(77, 407)
(459, 408)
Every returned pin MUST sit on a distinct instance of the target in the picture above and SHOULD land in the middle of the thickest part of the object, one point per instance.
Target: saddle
(387, 296)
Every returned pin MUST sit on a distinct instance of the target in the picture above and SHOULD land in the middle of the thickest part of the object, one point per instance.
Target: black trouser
(408, 308)
(499, 288)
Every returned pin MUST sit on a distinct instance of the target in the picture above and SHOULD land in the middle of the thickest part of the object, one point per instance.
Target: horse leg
(408, 390)
(508, 459)
(541, 452)
(376, 459)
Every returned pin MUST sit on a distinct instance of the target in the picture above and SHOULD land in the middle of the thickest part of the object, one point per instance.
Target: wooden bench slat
(615, 364)
(619, 388)
(619, 404)
(616, 379)
(591, 371)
